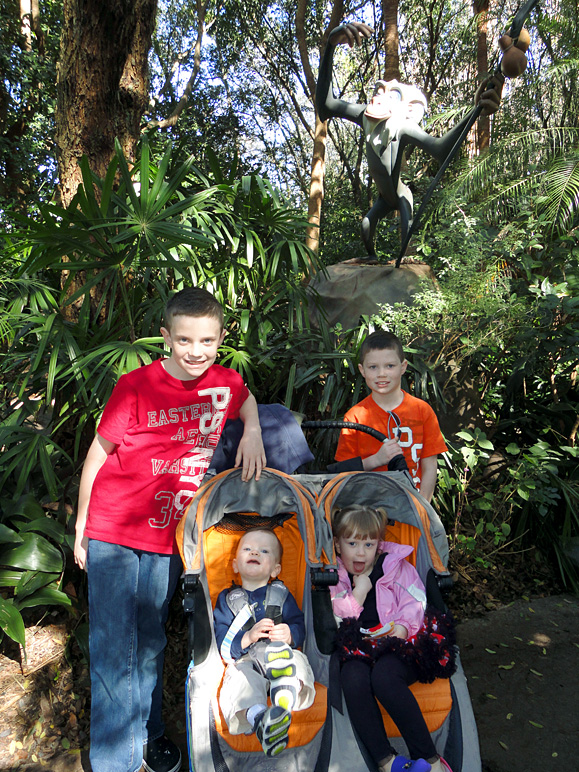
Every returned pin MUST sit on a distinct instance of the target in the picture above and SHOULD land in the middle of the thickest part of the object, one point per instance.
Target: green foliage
(492, 499)
(499, 336)
(314, 373)
(27, 97)
(543, 176)
(82, 289)
(31, 562)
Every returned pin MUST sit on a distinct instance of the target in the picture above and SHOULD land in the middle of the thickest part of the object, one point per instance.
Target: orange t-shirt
(420, 435)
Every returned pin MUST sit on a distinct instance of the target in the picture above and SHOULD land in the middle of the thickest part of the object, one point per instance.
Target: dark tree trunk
(320, 133)
(481, 9)
(102, 83)
(391, 40)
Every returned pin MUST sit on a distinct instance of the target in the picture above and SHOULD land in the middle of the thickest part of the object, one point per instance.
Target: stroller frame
(310, 500)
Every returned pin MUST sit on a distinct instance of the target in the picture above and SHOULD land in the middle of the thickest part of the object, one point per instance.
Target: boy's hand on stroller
(389, 449)
(259, 630)
(383, 456)
(282, 633)
(250, 454)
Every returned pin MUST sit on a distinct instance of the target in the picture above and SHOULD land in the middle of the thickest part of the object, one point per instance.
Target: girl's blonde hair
(364, 522)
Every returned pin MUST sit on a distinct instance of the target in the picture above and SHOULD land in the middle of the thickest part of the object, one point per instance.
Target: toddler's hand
(399, 631)
(362, 586)
(281, 632)
(362, 582)
(259, 630)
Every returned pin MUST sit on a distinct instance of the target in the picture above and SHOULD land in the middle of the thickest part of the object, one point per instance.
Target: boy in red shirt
(154, 444)
(409, 423)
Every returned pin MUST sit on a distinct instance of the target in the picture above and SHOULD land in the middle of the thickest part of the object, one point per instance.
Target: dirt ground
(521, 661)
(522, 665)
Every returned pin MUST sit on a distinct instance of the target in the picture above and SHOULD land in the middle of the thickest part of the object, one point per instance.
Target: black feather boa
(431, 650)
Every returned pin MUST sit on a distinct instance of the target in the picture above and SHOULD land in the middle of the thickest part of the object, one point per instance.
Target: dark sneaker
(161, 755)
(272, 728)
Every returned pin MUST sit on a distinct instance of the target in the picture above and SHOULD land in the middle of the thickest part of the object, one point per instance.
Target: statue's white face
(392, 98)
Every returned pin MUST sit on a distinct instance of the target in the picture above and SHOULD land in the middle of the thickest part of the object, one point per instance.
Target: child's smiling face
(194, 341)
(358, 553)
(257, 559)
(382, 370)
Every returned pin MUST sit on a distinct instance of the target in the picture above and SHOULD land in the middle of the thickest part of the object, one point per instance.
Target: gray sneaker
(272, 728)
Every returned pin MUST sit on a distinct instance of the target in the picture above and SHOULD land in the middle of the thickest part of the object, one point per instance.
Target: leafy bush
(31, 562)
(83, 296)
(491, 501)
(499, 337)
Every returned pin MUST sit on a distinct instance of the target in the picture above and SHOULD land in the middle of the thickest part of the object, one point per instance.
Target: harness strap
(275, 596)
(238, 623)
(236, 599)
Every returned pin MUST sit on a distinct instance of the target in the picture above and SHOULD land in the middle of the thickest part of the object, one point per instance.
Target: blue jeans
(129, 592)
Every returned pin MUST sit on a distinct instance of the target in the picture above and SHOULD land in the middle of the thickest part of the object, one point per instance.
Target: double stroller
(298, 508)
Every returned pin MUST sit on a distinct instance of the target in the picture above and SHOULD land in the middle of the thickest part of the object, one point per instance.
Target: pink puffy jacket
(400, 595)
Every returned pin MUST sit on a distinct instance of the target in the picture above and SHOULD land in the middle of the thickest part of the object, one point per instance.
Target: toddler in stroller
(257, 627)
(385, 642)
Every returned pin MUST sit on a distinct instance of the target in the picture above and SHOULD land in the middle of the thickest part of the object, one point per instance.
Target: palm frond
(560, 201)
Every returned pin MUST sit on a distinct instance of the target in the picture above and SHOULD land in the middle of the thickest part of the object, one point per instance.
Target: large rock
(352, 289)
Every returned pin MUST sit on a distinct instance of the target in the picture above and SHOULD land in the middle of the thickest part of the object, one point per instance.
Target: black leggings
(388, 681)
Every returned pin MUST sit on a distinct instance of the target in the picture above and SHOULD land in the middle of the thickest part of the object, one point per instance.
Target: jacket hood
(392, 548)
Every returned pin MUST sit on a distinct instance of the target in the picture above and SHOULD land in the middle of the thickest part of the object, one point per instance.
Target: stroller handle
(344, 425)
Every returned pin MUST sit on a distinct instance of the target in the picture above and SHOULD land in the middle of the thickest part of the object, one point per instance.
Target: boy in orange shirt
(409, 423)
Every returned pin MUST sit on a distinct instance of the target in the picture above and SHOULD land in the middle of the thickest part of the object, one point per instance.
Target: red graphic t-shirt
(420, 435)
(165, 431)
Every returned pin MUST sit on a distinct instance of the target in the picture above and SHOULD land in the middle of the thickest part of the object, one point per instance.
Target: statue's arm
(327, 105)
(437, 147)
(488, 94)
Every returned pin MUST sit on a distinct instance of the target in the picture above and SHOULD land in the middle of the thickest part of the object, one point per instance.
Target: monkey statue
(390, 122)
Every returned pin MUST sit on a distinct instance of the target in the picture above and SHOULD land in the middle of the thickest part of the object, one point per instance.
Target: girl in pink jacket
(387, 639)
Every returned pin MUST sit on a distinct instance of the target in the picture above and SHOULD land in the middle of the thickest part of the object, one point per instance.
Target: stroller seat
(304, 726)
(417, 525)
(221, 518)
